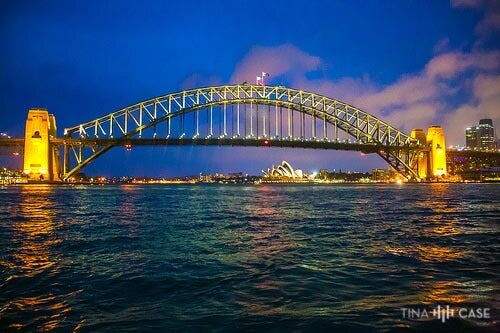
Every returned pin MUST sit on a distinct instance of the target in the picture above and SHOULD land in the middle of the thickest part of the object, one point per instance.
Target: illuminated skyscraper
(486, 134)
(471, 137)
(481, 137)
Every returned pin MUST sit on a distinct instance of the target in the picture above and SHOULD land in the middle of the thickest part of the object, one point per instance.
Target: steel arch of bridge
(138, 125)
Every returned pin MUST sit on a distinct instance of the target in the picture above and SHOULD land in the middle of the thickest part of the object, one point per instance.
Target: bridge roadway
(11, 146)
(249, 142)
(16, 145)
(457, 161)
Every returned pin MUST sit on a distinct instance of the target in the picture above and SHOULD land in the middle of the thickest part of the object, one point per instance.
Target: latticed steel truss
(241, 115)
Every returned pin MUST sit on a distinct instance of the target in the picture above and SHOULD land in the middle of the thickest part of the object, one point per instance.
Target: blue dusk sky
(413, 63)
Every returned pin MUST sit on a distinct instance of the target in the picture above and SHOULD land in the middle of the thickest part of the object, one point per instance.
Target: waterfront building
(285, 170)
(471, 137)
(381, 175)
(10, 176)
(324, 174)
(481, 137)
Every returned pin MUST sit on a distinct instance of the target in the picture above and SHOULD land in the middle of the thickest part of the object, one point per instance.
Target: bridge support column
(41, 158)
(431, 161)
(437, 153)
(421, 163)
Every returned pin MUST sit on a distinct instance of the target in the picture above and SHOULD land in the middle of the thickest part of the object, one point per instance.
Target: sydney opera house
(284, 170)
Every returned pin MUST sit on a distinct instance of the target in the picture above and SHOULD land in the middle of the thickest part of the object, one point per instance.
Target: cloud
(442, 46)
(490, 23)
(408, 90)
(411, 116)
(446, 65)
(486, 87)
(485, 103)
(278, 60)
(454, 89)
(346, 89)
(450, 64)
(429, 96)
(424, 98)
(199, 80)
(467, 3)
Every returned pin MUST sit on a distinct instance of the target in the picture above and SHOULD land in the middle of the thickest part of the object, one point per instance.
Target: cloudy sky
(411, 63)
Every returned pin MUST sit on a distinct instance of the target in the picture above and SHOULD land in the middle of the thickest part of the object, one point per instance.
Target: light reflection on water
(34, 260)
(156, 258)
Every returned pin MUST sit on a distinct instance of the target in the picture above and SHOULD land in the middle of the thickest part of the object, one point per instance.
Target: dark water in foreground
(248, 258)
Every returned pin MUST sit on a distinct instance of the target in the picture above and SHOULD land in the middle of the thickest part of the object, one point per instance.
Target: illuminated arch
(138, 123)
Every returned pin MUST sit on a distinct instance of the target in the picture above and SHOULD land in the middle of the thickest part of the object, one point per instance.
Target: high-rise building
(471, 137)
(481, 137)
(486, 134)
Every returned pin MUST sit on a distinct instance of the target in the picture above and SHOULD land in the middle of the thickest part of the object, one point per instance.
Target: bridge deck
(249, 142)
(17, 144)
(11, 146)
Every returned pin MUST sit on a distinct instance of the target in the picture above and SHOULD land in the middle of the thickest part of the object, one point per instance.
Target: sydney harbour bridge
(228, 115)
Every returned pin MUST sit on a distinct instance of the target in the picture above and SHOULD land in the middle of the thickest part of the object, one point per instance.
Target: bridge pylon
(431, 160)
(437, 148)
(41, 158)
(421, 162)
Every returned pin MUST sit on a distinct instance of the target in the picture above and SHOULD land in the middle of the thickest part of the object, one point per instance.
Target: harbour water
(262, 258)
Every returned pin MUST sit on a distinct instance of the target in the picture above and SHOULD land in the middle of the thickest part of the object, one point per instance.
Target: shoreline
(301, 183)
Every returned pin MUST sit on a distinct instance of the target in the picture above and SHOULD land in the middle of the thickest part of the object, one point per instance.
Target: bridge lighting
(348, 119)
(128, 147)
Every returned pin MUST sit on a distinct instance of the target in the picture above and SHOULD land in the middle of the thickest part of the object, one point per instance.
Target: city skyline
(83, 61)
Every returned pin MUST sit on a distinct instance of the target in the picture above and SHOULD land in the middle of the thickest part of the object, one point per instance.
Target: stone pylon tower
(41, 159)
(437, 149)
(431, 161)
(423, 156)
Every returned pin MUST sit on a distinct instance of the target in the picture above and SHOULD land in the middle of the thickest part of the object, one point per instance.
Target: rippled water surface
(247, 258)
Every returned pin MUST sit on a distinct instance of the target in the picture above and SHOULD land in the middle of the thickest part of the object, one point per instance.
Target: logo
(443, 313)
